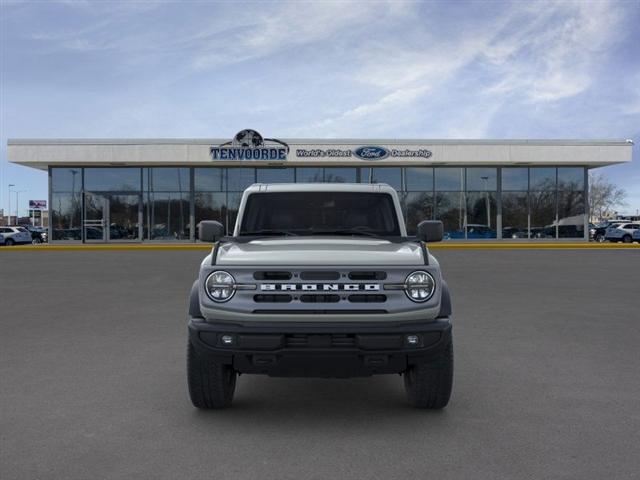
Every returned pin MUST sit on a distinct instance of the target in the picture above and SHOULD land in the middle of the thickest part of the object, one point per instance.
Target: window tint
(449, 179)
(111, 179)
(516, 179)
(313, 213)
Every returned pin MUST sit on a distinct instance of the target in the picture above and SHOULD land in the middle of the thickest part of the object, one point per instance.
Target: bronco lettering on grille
(324, 287)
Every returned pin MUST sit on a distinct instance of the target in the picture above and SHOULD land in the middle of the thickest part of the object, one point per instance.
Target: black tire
(36, 241)
(599, 238)
(428, 384)
(9, 242)
(211, 384)
(626, 239)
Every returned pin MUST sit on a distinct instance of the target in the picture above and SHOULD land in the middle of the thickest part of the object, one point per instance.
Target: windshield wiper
(267, 231)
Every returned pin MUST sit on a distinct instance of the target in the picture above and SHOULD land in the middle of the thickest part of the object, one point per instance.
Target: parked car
(636, 236)
(514, 232)
(622, 233)
(38, 234)
(598, 232)
(473, 231)
(1, 239)
(15, 235)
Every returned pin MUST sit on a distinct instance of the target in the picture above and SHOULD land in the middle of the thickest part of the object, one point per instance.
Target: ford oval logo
(371, 153)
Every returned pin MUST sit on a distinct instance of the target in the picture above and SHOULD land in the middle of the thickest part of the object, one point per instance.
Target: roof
(320, 187)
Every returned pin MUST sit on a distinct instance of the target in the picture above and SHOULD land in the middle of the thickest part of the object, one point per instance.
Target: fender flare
(445, 301)
(194, 302)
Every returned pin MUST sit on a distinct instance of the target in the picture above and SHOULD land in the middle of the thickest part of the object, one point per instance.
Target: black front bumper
(319, 349)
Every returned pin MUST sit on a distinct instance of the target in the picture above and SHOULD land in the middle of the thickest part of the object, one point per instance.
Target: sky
(374, 69)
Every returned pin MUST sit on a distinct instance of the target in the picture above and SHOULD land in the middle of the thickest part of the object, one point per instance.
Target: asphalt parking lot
(547, 380)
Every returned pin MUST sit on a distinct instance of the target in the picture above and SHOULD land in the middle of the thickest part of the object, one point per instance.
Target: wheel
(211, 384)
(428, 384)
(36, 241)
(599, 238)
(626, 239)
(9, 242)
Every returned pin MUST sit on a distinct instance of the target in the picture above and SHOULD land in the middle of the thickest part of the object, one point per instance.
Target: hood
(320, 251)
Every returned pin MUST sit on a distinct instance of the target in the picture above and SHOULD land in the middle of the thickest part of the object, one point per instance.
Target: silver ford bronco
(320, 280)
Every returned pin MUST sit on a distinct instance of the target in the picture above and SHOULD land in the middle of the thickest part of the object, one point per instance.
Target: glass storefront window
(309, 175)
(571, 212)
(66, 217)
(449, 179)
(450, 210)
(275, 175)
(481, 215)
(166, 179)
(66, 179)
(543, 214)
(482, 179)
(515, 179)
(419, 179)
(211, 179)
(167, 216)
(418, 206)
(571, 178)
(340, 175)
(390, 175)
(542, 178)
(210, 206)
(233, 203)
(112, 179)
(515, 215)
(240, 178)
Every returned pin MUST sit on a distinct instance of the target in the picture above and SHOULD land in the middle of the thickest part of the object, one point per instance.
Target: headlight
(220, 286)
(419, 286)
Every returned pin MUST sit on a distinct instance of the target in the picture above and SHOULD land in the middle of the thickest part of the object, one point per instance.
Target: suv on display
(622, 233)
(320, 280)
(15, 235)
(599, 232)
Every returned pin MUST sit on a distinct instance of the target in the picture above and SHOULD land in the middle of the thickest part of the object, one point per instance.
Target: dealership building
(132, 190)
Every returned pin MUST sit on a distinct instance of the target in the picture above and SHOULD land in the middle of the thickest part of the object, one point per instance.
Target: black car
(38, 234)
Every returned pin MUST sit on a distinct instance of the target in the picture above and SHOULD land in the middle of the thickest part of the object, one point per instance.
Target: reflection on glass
(450, 210)
(571, 212)
(95, 217)
(309, 175)
(66, 179)
(418, 206)
(233, 203)
(66, 216)
(515, 178)
(340, 175)
(571, 178)
(515, 214)
(210, 179)
(275, 175)
(481, 215)
(166, 179)
(112, 179)
(167, 216)
(482, 179)
(419, 178)
(124, 217)
(390, 175)
(210, 206)
(543, 214)
(542, 178)
(238, 179)
(449, 179)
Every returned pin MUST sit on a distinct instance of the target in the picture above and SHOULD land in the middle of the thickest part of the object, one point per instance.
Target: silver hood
(320, 251)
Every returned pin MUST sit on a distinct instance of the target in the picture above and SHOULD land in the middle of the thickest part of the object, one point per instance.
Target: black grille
(319, 275)
(275, 311)
(308, 298)
(274, 275)
(320, 341)
(366, 275)
(357, 298)
(276, 298)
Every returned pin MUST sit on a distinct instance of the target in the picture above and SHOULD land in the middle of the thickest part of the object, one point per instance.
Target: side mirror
(210, 231)
(430, 231)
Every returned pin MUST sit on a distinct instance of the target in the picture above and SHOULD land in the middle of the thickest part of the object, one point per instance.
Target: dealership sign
(38, 204)
(250, 145)
(366, 152)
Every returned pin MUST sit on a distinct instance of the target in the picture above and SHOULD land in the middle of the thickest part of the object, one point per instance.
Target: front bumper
(320, 349)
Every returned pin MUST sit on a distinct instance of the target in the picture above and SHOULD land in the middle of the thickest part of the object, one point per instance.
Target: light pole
(9, 211)
(18, 192)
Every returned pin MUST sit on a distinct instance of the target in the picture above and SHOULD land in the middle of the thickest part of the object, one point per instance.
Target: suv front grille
(320, 341)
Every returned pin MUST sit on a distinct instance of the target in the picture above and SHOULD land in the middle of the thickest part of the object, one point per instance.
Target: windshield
(320, 213)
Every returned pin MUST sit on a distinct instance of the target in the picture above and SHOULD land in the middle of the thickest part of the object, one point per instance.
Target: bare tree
(604, 196)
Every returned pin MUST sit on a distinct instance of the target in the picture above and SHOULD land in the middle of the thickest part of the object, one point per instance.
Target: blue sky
(319, 69)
